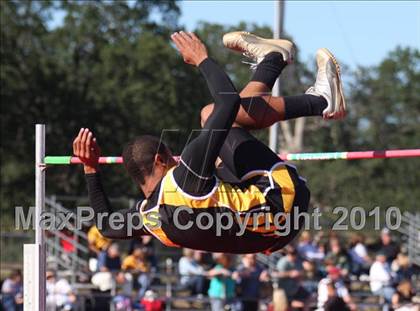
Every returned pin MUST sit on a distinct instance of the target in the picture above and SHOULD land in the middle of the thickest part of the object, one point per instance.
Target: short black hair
(139, 156)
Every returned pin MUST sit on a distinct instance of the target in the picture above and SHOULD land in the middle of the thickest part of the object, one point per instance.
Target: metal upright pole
(40, 261)
(277, 31)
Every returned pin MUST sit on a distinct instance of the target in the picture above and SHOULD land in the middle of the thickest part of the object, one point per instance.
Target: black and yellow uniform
(251, 181)
(262, 194)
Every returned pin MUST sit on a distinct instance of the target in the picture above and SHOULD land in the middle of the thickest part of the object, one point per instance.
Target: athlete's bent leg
(242, 153)
(263, 111)
(259, 109)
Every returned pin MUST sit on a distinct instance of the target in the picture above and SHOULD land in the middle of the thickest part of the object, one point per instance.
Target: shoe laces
(252, 65)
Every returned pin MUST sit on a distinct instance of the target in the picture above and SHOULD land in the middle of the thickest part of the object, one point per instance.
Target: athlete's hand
(190, 46)
(88, 151)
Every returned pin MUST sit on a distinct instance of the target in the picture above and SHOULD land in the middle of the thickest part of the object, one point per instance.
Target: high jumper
(224, 170)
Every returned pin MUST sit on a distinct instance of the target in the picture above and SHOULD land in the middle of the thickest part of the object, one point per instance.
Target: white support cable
(344, 35)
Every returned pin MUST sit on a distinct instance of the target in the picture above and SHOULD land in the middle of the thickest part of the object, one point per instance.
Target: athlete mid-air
(224, 170)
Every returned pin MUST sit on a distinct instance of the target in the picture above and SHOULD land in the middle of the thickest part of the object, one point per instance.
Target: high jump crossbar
(346, 155)
(35, 254)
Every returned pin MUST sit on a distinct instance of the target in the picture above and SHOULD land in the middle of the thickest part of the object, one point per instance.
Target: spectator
(222, 285)
(307, 249)
(109, 263)
(381, 279)
(359, 255)
(137, 264)
(338, 257)
(402, 267)
(192, 272)
(289, 272)
(59, 293)
(249, 276)
(311, 276)
(334, 301)
(68, 241)
(97, 242)
(147, 242)
(151, 302)
(109, 260)
(402, 298)
(332, 293)
(124, 286)
(12, 292)
(386, 246)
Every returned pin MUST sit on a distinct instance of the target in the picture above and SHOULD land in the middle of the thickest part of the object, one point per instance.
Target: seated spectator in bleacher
(249, 276)
(311, 276)
(12, 292)
(386, 246)
(151, 302)
(97, 244)
(60, 294)
(381, 279)
(68, 241)
(290, 273)
(308, 249)
(122, 301)
(137, 264)
(109, 263)
(402, 300)
(110, 276)
(333, 294)
(338, 257)
(192, 272)
(222, 285)
(402, 268)
(109, 260)
(334, 301)
(359, 255)
(147, 243)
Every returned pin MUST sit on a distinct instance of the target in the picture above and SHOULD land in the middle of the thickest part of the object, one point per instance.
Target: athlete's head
(147, 156)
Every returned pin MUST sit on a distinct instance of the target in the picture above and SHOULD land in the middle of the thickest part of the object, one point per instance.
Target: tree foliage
(384, 113)
(110, 67)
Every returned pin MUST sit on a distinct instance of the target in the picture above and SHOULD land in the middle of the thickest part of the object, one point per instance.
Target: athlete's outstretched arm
(195, 173)
(86, 148)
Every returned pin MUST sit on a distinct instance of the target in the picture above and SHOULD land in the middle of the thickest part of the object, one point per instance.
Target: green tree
(108, 67)
(384, 113)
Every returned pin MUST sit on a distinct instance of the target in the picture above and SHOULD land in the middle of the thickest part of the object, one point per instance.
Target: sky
(357, 32)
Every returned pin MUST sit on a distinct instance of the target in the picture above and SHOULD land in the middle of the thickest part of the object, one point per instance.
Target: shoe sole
(339, 112)
(279, 43)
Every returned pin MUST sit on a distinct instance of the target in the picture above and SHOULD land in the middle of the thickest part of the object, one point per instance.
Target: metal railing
(58, 257)
(410, 231)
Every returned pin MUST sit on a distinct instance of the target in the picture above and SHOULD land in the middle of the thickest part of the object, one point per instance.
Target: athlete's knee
(205, 113)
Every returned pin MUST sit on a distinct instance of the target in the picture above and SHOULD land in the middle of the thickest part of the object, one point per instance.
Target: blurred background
(110, 66)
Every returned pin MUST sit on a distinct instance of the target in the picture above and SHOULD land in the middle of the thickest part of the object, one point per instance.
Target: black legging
(238, 149)
(196, 172)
